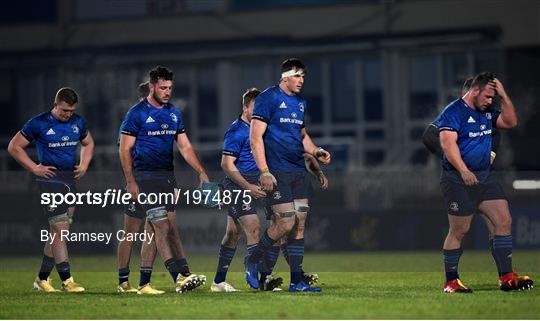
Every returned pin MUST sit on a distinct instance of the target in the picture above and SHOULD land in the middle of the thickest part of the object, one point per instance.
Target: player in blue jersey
(134, 221)
(57, 134)
(431, 140)
(278, 140)
(148, 134)
(467, 182)
(242, 174)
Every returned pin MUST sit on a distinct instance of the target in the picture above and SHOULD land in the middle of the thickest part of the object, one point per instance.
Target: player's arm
(431, 140)
(451, 150)
(230, 169)
(508, 118)
(127, 142)
(87, 152)
(256, 142)
(314, 169)
(16, 149)
(309, 147)
(190, 155)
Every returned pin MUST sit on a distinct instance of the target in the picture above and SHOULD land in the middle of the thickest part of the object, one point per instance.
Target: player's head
(481, 91)
(293, 72)
(65, 103)
(143, 90)
(248, 101)
(466, 85)
(161, 82)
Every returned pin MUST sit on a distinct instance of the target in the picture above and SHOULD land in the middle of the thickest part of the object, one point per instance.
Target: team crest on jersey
(488, 115)
(301, 106)
(277, 195)
(164, 126)
(174, 118)
(294, 115)
(50, 132)
(65, 138)
(246, 207)
(282, 106)
(131, 207)
(75, 129)
(454, 206)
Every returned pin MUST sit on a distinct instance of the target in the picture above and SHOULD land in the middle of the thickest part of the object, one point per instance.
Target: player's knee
(287, 221)
(254, 232)
(505, 223)
(231, 238)
(459, 231)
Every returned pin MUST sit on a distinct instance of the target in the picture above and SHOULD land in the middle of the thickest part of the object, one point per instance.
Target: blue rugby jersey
(474, 130)
(236, 144)
(494, 115)
(284, 115)
(155, 130)
(56, 141)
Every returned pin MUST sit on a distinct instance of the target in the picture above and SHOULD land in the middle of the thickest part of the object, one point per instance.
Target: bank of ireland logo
(454, 207)
(164, 126)
(174, 118)
(294, 115)
(65, 138)
(482, 127)
(277, 195)
(75, 129)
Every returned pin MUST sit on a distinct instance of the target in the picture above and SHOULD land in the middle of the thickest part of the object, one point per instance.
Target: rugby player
(278, 139)
(431, 140)
(148, 133)
(467, 181)
(57, 134)
(134, 220)
(242, 174)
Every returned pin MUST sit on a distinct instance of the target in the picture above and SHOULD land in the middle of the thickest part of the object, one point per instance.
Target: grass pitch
(355, 286)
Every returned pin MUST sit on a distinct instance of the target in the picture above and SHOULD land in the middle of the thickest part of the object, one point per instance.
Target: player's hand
(323, 180)
(203, 178)
(133, 190)
(498, 87)
(268, 181)
(323, 156)
(256, 192)
(469, 178)
(44, 171)
(79, 171)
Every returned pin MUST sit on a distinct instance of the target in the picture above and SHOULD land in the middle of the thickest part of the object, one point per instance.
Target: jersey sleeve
(83, 130)
(450, 119)
(262, 108)
(180, 128)
(30, 130)
(232, 144)
(494, 116)
(131, 124)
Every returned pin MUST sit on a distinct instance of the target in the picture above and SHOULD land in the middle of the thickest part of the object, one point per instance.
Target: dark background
(379, 72)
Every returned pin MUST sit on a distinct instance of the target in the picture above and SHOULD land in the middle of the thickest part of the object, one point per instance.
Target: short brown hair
(67, 95)
(249, 95)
